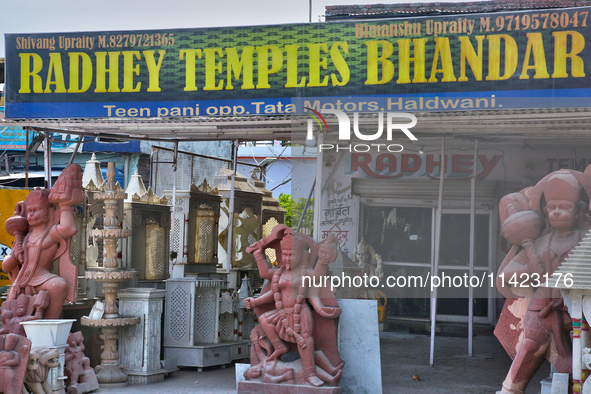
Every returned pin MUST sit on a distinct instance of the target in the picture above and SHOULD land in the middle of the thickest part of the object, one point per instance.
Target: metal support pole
(126, 172)
(76, 149)
(230, 244)
(318, 190)
(47, 161)
(472, 229)
(174, 157)
(435, 265)
(307, 204)
(27, 159)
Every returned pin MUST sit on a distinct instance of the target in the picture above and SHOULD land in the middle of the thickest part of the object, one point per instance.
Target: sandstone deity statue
(543, 223)
(291, 319)
(42, 234)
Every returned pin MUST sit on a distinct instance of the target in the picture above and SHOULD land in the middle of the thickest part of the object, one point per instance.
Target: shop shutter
(405, 189)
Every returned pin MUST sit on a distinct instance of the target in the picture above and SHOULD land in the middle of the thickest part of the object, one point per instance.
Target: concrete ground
(403, 356)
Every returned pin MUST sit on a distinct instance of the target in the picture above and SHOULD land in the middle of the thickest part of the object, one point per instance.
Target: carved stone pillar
(110, 373)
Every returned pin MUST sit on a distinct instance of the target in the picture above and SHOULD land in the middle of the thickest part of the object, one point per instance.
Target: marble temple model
(14, 352)
(109, 373)
(292, 317)
(543, 223)
(42, 234)
(80, 375)
(41, 361)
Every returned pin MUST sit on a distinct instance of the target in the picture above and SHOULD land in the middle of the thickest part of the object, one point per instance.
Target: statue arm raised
(265, 271)
(67, 193)
(266, 298)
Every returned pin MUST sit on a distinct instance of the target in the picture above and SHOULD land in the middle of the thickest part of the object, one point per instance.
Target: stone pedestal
(178, 271)
(359, 346)
(270, 388)
(52, 334)
(140, 344)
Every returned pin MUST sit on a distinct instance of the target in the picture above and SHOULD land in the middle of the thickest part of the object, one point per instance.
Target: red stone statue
(14, 349)
(41, 360)
(291, 319)
(42, 234)
(24, 308)
(544, 224)
(81, 376)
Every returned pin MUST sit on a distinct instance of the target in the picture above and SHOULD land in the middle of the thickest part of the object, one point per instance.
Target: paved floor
(403, 356)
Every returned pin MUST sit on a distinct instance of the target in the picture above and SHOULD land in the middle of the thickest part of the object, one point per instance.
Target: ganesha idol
(543, 223)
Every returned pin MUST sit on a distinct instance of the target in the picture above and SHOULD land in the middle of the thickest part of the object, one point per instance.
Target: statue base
(110, 376)
(81, 388)
(252, 387)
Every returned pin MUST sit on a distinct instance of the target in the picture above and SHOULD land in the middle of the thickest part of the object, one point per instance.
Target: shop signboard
(520, 59)
(9, 198)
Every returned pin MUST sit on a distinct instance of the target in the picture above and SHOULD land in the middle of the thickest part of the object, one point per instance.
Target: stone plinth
(359, 345)
(140, 344)
(270, 388)
(52, 334)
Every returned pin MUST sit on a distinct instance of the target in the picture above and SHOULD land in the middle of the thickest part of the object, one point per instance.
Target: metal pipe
(47, 161)
(435, 266)
(318, 190)
(472, 246)
(126, 171)
(174, 166)
(230, 244)
(27, 131)
(76, 149)
(307, 204)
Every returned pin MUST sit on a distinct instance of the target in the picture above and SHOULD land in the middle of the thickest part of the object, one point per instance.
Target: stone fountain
(110, 373)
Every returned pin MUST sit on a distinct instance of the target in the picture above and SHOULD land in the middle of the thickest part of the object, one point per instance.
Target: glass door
(454, 258)
(404, 236)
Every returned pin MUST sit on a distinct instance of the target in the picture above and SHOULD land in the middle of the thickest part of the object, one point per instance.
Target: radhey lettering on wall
(389, 165)
(431, 63)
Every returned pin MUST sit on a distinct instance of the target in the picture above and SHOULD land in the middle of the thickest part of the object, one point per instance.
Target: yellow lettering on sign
(129, 69)
(77, 85)
(418, 59)
(212, 67)
(474, 59)
(238, 65)
(377, 63)
(28, 73)
(55, 74)
(443, 51)
(190, 64)
(494, 57)
(102, 71)
(270, 61)
(561, 54)
(535, 45)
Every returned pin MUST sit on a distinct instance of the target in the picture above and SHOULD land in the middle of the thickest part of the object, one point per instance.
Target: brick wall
(335, 12)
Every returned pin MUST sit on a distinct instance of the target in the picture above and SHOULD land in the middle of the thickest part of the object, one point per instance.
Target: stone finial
(136, 186)
(92, 173)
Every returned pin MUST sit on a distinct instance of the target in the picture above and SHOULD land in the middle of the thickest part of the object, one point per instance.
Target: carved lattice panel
(248, 324)
(267, 228)
(205, 239)
(248, 228)
(177, 324)
(227, 326)
(175, 244)
(205, 315)
(155, 250)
